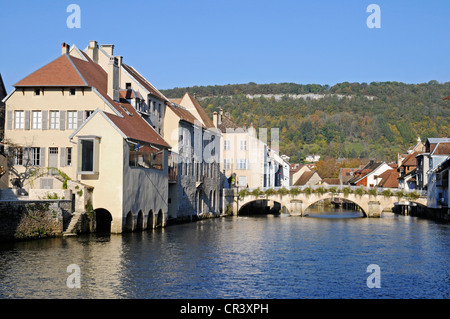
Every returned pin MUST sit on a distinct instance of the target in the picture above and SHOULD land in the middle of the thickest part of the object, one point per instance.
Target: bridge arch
(333, 197)
(261, 206)
(103, 220)
(140, 221)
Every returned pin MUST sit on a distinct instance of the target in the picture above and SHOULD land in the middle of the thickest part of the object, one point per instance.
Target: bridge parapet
(295, 200)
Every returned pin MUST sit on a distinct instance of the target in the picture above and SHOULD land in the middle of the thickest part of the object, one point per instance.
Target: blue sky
(178, 43)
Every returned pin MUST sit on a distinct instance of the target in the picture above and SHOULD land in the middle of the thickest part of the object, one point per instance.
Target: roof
(410, 160)
(201, 112)
(227, 123)
(306, 176)
(59, 72)
(364, 171)
(135, 127)
(442, 148)
(147, 85)
(2, 89)
(331, 181)
(68, 70)
(389, 179)
(184, 114)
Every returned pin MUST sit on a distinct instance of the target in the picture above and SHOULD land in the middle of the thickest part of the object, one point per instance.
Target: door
(52, 159)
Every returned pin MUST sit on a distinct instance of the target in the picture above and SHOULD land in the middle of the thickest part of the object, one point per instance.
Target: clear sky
(178, 43)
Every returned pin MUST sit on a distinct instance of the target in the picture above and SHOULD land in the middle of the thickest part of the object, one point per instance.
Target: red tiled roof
(59, 72)
(184, 114)
(134, 126)
(144, 82)
(67, 70)
(442, 148)
(389, 179)
(410, 160)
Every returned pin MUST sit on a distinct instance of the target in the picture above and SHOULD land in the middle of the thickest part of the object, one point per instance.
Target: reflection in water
(264, 256)
(325, 211)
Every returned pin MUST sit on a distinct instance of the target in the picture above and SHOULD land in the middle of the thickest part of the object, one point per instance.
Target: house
(297, 170)
(196, 150)
(279, 170)
(387, 179)
(68, 116)
(312, 158)
(346, 174)
(366, 176)
(331, 182)
(308, 178)
(436, 150)
(245, 158)
(438, 195)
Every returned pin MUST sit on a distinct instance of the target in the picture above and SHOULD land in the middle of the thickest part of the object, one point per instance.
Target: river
(325, 255)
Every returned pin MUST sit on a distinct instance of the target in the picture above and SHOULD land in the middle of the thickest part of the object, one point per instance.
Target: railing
(336, 189)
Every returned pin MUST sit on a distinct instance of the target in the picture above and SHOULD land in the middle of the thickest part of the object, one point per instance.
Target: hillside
(348, 120)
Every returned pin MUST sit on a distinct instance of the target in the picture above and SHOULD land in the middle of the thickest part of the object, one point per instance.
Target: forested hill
(349, 120)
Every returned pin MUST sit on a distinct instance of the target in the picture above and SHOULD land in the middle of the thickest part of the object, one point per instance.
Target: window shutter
(26, 156)
(42, 159)
(44, 119)
(62, 156)
(9, 120)
(247, 164)
(79, 118)
(27, 120)
(62, 120)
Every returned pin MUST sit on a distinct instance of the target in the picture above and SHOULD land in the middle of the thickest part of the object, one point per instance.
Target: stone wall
(32, 219)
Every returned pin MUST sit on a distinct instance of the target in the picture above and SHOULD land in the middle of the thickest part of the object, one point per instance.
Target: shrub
(360, 191)
(243, 193)
(346, 191)
(256, 192)
(373, 192)
(387, 193)
(282, 191)
(294, 191)
(270, 192)
(307, 190)
(321, 190)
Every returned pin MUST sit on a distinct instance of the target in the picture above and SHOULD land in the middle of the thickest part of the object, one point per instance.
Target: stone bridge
(371, 203)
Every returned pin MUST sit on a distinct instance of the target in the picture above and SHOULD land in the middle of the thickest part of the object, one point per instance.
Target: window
(69, 156)
(226, 164)
(242, 164)
(243, 145)
(128, 86)
(159, 111)
(35, 156)
(19, 119)
(88, 155)
(37, 92)
(18, 156)
(71, 120)
(145, 155)
(242, 181)
(36, 120)
(226, 145)
(72, 91)
(88, 113)
(54, 120)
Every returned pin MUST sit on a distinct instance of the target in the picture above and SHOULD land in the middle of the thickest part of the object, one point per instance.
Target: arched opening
(334, 208)
(103, 220)
(140, 221)
(128, 227)
(159, 219)
(150, 219)
(260, 206)
(211, 209)
(214, 207)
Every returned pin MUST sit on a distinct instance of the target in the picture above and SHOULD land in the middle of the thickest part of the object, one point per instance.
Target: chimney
(93, 51)
(215, 121)
(108, 48)
(113, 78)
(65, 48)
